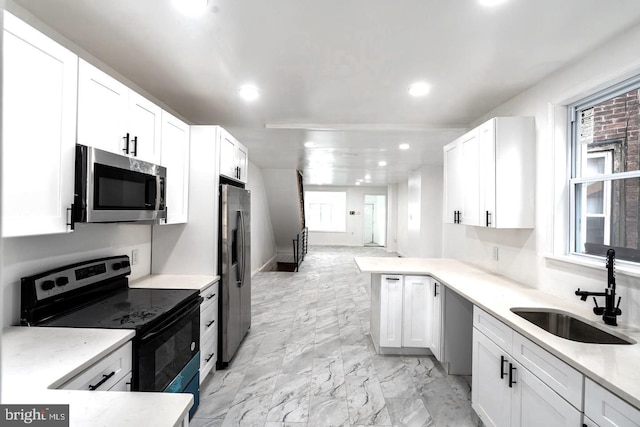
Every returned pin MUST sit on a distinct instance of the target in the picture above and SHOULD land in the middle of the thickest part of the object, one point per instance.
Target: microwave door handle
(158, 192)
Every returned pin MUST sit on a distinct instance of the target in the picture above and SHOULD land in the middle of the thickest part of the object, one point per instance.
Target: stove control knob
(126, 263)
(48, 285)
(62, 280)
(117, 266)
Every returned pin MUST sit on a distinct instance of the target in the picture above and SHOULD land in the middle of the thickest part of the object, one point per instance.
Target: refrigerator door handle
(243, 248)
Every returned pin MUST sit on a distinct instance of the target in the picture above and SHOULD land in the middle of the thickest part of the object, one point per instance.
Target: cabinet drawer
(104, 374)
(607, 409)
(494, 329)
(556, 374)
(208, 319)
(123, 385)
(208, 356)
(210, 296)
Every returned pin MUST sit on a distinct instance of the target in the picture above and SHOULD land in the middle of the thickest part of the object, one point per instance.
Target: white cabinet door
(436, 291)
(391, 311)
(175, 157)
(39, 122)
(490, 392)
(144, 128)
(228, 161)
(535, 404)
(487, 173)
(114, 118)
(103, 103)
(242, 162)
(452, 183)
(470, 146)
(607, 409)
(416, 325)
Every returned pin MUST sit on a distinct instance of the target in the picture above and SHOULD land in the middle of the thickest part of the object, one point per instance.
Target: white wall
(353, 236)
(392, 218)
(192, 248)
(263, 243)
(403, 217)
(522, 253)
(421, 211)
(281, 187)
(24, 256)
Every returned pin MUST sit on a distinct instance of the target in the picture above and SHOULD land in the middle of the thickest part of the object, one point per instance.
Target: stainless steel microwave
(114, 188)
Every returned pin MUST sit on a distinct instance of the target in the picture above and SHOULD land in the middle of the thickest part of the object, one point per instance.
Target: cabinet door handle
(511, 380)
(503, 360)
(70, 222)
(435, 289)
(211, 296)
(126, 143)
(104, 379)
(208, 358)
(488, 218)
(392, 278)
(211, 323)
(135, 146)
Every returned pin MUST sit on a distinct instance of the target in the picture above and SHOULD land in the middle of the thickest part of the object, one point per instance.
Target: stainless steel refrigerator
(235, 271)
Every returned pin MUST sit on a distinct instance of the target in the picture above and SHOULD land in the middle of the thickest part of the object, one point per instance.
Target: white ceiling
(336, 72)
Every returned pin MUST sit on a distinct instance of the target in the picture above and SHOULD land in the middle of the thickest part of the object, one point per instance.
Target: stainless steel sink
(565, 325)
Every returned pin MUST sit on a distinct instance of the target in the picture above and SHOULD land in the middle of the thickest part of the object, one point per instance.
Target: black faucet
(610, 311)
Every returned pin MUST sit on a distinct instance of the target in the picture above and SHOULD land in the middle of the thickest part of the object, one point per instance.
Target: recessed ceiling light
(249, 92)
(191, 7)
(404, 146)
(491, 3)
(419, 89)
(367, 177)
(357, 182)
(309, 144)
(382, 163)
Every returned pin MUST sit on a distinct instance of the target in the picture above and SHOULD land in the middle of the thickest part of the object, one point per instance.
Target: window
(326, 210)
(605, 178)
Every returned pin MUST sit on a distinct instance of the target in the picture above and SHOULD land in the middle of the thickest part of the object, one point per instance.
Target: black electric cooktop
(129, 309)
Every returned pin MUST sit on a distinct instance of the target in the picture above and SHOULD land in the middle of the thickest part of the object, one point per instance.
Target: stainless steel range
(95, 294)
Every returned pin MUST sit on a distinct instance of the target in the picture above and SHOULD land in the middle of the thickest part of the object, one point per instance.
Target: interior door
(368, 223)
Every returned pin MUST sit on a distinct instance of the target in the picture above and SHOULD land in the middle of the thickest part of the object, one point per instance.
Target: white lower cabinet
(436, 293)
(506, 393)
(603, 408)
(404, 311)
(208, 331)
(113, 372)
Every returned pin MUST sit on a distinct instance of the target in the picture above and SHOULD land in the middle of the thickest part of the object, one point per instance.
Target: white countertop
(37, 360)
(170, 281)
(612, 366)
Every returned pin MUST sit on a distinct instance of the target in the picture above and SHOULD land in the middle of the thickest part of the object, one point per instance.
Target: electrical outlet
(134, 257)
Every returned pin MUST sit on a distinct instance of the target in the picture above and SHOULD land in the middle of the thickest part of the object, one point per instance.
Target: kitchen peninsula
(600, 369)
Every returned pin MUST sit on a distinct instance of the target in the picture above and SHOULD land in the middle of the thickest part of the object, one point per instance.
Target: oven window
(172, 356)
(164, 356)
(117, 188)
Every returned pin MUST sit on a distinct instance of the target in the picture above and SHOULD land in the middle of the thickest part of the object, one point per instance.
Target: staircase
(286, 205)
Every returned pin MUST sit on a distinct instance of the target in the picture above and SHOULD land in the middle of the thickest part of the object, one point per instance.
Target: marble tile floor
(308, 359)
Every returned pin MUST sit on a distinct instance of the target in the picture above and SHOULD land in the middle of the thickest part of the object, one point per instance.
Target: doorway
(375, 220)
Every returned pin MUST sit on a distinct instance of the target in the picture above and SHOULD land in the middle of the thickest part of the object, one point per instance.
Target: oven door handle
(172, 321)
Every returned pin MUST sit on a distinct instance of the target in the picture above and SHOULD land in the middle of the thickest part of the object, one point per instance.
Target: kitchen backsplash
(24, 256)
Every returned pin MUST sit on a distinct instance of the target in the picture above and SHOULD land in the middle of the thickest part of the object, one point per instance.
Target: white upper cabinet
(114, 118)
(489, 175)
(452, 182)
(234, 160)
(175, 157)
(39, 123)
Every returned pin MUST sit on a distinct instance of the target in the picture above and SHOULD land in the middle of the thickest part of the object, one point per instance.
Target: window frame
(339, 211)
(576, 162)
